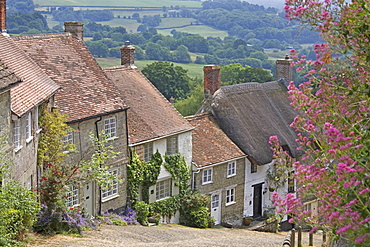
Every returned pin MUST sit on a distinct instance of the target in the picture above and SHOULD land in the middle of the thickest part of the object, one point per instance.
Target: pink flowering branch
(334, 120)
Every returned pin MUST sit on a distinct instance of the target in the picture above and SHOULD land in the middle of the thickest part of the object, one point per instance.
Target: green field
(194, 70)
(202, 30)
(121, 3)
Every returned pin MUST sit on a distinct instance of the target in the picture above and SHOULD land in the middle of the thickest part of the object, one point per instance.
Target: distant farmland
(118, 3)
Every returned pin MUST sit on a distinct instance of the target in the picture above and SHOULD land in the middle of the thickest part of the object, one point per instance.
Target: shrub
(127, 218)
(194, 211)
(142, 212)
(18, 208)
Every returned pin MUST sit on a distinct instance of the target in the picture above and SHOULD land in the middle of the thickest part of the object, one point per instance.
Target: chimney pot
(75, 28)
(212, 79)
(127, 54)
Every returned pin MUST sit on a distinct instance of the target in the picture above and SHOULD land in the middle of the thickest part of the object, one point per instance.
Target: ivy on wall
(146, 174)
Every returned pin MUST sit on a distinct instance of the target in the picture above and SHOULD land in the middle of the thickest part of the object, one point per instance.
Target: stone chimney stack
(127, 54)
(212, 79)
(75, 28)
(284, 70)
(3, 16)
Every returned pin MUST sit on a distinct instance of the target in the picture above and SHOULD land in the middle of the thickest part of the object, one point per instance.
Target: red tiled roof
(210, 144)
(36, 86)
(150, 115)
(85, 90)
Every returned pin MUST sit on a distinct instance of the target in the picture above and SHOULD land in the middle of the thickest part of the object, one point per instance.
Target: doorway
(257, 200)
(216, 208)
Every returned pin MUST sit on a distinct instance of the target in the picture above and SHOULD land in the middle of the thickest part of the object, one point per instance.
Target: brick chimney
(284, 70)
(3, 16)
(127, 54)
(212, 79)
(75, 28)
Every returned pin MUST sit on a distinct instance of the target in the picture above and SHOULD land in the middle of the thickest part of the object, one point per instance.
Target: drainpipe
(97, 136)
(193, 178)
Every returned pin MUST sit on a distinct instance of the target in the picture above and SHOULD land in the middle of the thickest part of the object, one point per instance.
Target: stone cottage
(218, 170)
(92, 104)
(21, 126)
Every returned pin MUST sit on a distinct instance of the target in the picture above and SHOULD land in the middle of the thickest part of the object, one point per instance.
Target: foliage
(18, 208)
(64, 14)
(194, 211)
(127, 218)
(166, 207)
(236, 73)
(334, 111)
(54, 221)
(176, 165)
(142, 212)
(170, 80)
(192, 103)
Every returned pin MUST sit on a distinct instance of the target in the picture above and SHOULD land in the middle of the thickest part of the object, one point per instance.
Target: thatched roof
(249, 113)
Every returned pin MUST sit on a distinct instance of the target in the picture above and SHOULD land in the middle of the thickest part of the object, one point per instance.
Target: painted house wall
(232, 213)
(90, 194)
(160, 145)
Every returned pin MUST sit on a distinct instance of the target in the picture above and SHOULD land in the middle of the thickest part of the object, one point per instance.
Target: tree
(333, 123)
(236, 73)
(181, 55)
(171, 81)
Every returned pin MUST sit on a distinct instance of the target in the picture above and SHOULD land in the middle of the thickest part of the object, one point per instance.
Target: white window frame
(68, 139)
(38, 128)
(230, 196)
(231, 169)
(110, 127)
(163, 189)
(112, 191)
(72, 197)
(207, 176)
(172, 146)
(17, 135)
(148, 151)
(29, 136)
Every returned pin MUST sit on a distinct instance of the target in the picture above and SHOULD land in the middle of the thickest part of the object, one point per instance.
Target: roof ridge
(41, 36)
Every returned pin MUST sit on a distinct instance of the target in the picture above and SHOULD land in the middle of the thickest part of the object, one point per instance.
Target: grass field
(202, 30)
(122, 3)
(194, 70)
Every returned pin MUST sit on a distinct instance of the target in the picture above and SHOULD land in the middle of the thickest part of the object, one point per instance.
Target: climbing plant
(146, 174)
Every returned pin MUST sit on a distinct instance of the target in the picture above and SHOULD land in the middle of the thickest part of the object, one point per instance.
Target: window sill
(108, 198)
(230, 203)
(38, 131)
(29, 139)
(164, 198)
(210, 182)
(18, 148)
(69, 151)
(230, 176)
(112, 138)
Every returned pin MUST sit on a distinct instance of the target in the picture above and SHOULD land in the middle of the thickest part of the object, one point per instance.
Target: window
(172, 145)
(17, 135)
(230, 196)
(29, 183)
(148, 151)
(112, 190)
(231, 169)
(207, 176)
(72, 196)
(68, 139)
(38, 128)
(163, 189)
(215, 201)
(28, 127)
(253, 167)
(291, 187)
(110, 127)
